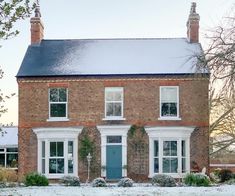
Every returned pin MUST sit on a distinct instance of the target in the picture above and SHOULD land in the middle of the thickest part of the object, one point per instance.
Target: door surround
(113, 130)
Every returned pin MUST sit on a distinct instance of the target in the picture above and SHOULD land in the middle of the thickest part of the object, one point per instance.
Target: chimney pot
(37, 28)
(193, 25)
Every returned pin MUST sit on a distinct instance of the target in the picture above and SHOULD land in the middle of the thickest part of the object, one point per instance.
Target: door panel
(114, 161)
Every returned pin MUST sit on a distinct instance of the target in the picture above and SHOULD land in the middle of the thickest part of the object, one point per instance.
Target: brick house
(139, 106)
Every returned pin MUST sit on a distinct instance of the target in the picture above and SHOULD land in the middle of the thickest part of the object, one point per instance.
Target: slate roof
(9, 138)
(110, 57)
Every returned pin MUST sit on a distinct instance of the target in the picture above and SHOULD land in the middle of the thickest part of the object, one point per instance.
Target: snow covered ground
(138, 190)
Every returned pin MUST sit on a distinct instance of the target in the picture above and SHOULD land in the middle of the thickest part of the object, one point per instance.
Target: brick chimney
(37, 28)
(193, 25)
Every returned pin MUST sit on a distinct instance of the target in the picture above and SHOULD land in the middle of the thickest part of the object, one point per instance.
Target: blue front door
(114, 161)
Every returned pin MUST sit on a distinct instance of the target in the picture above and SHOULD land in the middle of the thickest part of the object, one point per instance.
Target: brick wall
(86, 108)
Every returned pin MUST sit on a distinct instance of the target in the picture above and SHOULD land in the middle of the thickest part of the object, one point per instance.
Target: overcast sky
(75, 19)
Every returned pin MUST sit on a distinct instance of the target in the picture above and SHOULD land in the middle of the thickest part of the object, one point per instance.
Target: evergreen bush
(35, 179)
(70, 181)
(163, 180)
(125, 182)
(99, 182)
(197, 179)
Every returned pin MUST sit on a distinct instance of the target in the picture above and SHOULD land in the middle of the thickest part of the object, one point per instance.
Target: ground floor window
(9, 157)
(170, 156)
(57, 157)
(58, 151)
(169, 150)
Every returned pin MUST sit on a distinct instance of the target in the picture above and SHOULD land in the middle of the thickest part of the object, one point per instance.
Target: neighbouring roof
(9, 138)
(111, 57)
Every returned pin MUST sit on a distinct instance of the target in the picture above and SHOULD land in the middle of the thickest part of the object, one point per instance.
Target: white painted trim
(113, 118)
(63, 102)
(57, 119)
(169, 118)
(109, 130)
(160, 108)
(222, 165)
(114, 89)
(64, 134)
(163, 133)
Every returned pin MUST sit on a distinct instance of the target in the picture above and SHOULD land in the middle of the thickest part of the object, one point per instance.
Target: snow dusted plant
(163, 180)
(70, 181)
(197, 179)
(125, 182)
(99, 182)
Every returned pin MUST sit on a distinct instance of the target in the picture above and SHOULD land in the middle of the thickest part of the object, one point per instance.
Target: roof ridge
(150, 38)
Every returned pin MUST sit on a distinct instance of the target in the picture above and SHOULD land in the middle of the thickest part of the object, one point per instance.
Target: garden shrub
(8, 175)
(125, 182)
(99, 182)
(70, 181)
(197, 179)
(225, 174)
(35, 179)
(163, 180)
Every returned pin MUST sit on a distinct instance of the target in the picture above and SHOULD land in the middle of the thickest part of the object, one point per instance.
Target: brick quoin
(86, 108)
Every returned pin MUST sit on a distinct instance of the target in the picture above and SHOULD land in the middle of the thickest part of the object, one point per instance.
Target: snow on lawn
(138, 190)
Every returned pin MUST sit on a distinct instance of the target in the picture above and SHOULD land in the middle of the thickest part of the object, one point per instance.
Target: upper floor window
(58, 102)
(169, 102)
(113, 102)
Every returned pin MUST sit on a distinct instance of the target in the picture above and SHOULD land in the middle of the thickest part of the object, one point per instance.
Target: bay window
(57, 151)
(169, 150)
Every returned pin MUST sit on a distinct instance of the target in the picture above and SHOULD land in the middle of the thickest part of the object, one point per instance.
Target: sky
(75, 19)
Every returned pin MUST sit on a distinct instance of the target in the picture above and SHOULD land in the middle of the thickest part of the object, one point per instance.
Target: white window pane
(173, 148)
(58, 110)
(117, 109)
(166, 148)
(56, 166)
(70, 166)
(174, 165)
(109, 109)
(52, 149)
(43, 166)
(109, 96)
(60, 149)
(156, 165)
(169, 95)
(183, 148)
(12, 160)
(114, 139)
(169, 109)
(54, 95)
(2, 160)
(156, 148)
(62, 95)
(43, 149)
(166, 165)
(118, 96)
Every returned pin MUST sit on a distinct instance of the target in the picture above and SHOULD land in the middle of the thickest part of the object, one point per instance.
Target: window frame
(57, 134)
(63, 118)
(177, 117)
(163, 133)
(114, 89)
(5, 153)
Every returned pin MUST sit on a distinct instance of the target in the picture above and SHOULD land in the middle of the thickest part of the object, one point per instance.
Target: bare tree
(219, 57)
(11, 11)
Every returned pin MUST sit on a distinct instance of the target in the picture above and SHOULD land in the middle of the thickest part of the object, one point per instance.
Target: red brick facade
(86, 108)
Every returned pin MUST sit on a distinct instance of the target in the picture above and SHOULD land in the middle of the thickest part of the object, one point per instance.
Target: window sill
(169, 118)
(57, 119)
(114, 118)
(174, 175)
